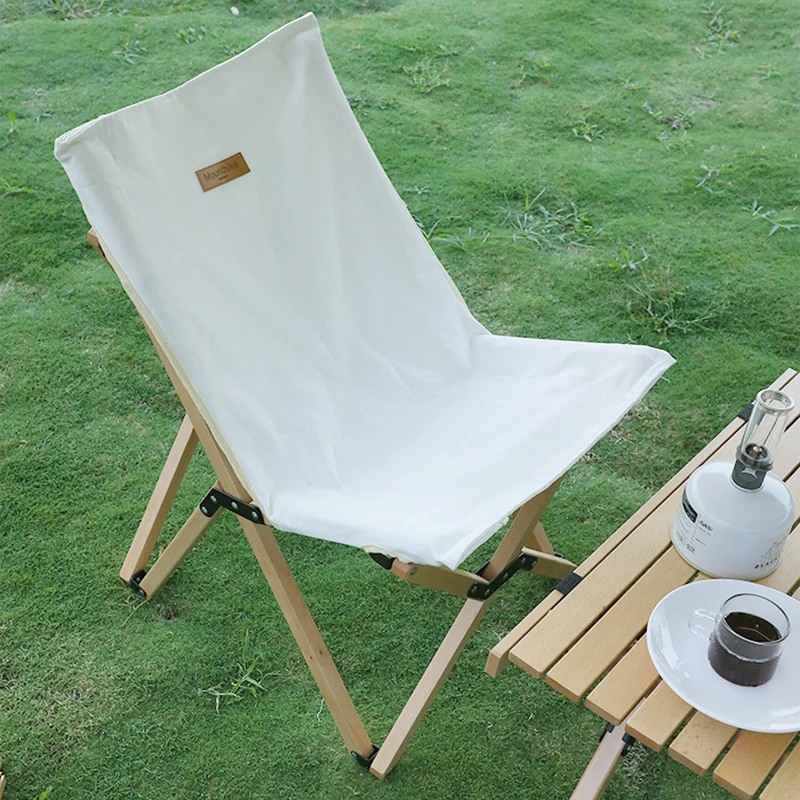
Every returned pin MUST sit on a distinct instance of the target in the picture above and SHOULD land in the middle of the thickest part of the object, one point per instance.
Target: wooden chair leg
(525, 521)
(294, 608)
(161, 500)
(428, 687)
(538, 540)
(597, 775)
(185, 539)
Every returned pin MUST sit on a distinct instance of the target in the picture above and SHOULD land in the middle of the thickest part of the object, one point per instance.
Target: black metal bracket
(746, 412)
(483, 591)
(627, 739)
(382, 559)
(136, 582)
(217, 499)
(365, 761)
(568, 583)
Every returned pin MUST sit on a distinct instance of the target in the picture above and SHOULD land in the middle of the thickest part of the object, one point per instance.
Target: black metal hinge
(483, 591)
(569, 583)
(627, 740)
(136, 582)
(382, 559)
(365, 761)
(746, 412)
(217, 499)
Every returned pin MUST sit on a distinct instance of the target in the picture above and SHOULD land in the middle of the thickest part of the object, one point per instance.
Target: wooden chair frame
(525, 532)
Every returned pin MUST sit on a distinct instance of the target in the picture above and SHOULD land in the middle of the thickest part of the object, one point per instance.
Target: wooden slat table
(590, 643)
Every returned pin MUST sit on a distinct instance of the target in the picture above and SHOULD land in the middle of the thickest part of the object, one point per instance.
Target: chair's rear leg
(428, 687)
(308, 637)
(538, 540)
(185, 539)
(161, 500)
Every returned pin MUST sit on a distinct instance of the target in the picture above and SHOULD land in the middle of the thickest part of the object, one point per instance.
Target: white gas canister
(735, 515)
(729, 532)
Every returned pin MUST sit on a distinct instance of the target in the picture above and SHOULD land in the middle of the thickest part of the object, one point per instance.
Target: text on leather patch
(223, 171)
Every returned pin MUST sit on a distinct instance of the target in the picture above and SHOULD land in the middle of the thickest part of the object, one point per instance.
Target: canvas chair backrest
(300, 297)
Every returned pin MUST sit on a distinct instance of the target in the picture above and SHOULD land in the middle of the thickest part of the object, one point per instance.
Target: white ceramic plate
(681, 658)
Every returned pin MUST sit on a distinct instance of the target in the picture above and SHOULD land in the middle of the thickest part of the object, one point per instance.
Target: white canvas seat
(341, 371)
(438, 482)
(314, 337)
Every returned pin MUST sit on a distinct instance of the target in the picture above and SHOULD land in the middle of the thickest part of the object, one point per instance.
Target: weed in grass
(530, 72)
(244, 682)
(625, 261)
(64, 9)
(678, 121)
(663, 305)
(718, 33)
(426, 75)
(677, 124)
(769, 216)
(10, 189)
(130, 52)
(12, 129)
(134, 602)
(768, 72)
(628, 84)
(417, 190)
(673, 139)
(548, 227)
(45, 794)
(191, 35)
(231, 50)
(364, 102)
(586, 130)
(710, 174)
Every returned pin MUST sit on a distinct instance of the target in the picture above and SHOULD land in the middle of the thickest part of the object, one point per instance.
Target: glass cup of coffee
(745, 637)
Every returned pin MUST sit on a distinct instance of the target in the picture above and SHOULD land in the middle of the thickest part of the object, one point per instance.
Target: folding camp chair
(334, 376)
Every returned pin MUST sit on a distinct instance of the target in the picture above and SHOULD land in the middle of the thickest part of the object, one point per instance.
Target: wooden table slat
(788, 448)
(700, 742)
(749, 762)
(625, 685)
(657, 719)
(784, 784)
(612, 576)
(613, 633)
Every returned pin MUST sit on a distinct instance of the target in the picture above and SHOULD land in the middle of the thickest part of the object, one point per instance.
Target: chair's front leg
(309, 639)
(525, 522)
(428, 687)
(185, 539)
(160, 501)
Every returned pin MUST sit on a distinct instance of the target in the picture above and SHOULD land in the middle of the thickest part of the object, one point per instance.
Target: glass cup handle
(702, 623)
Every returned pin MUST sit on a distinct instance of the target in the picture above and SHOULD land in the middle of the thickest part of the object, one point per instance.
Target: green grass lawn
(601, 171)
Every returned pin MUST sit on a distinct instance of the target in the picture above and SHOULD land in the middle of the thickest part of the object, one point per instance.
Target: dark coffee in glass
(745, 637)
(733, 658)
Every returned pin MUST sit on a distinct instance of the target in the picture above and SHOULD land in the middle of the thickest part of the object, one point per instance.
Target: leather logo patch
(223, 171)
